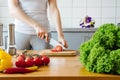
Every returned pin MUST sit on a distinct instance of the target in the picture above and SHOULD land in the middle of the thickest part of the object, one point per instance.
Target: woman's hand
(42, 33)
(63, 42)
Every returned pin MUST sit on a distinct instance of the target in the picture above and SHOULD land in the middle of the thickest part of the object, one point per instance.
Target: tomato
(54, 50)
(20, 57)
(58, 48)
(20, 63)
(46, 60)
(38, 61)
(29, 62)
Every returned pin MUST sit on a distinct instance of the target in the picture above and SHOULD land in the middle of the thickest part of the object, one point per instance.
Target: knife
(54, 43)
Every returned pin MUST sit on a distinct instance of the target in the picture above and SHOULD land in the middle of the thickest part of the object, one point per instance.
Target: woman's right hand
(42, 33)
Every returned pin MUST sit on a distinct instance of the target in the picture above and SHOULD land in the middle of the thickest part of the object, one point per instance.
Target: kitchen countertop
(71, 30)
(77, 29)
(60, 68)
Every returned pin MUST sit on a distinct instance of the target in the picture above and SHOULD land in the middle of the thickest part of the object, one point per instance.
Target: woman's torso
(37, 10)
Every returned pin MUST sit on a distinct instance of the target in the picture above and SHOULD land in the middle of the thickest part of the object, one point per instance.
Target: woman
(32, 24)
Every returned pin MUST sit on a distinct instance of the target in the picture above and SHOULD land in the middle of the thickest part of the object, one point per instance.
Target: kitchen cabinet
(76, 36)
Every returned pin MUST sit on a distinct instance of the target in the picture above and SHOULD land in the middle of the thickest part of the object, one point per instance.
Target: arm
(57, 20)
(18, 13)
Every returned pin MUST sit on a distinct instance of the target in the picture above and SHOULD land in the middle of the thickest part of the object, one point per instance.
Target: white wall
(72, 11)
(103, 11)
(4, 15)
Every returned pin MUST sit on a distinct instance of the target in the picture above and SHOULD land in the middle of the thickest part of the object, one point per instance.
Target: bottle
(11, 40)
(1, 36)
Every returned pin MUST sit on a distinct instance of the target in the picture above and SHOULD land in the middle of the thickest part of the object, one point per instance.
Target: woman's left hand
(63, 42)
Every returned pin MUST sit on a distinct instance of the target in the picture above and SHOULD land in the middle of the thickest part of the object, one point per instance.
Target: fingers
(43, 35)
(46, 37)
(39, 35)
(64, 42)
(66, 45)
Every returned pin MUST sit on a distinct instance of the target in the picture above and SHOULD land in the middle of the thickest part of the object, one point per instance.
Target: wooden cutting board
(48, 52)
(62, 53)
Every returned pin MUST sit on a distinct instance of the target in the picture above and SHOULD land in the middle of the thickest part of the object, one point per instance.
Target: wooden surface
(48, 52)
(60, 68)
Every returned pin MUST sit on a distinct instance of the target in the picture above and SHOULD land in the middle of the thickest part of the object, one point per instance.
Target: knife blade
(54, 43)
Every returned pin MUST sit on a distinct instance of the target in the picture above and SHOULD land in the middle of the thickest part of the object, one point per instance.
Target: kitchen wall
(102, 11)
(72, 11)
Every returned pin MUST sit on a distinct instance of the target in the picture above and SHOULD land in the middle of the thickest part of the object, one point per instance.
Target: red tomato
(29, 62)
(38, 61)
(54, 50)
(20, 57)
(58, 48)
(46, 60)
(20, 63)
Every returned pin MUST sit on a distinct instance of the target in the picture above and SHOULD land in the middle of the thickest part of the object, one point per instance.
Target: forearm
(57, 20)
(18, 13)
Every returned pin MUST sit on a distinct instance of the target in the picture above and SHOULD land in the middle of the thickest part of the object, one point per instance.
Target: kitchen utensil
(11, 40)
(11, 34)
(54, 43)
(63, 53)
(1, 35)
(11, 51)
